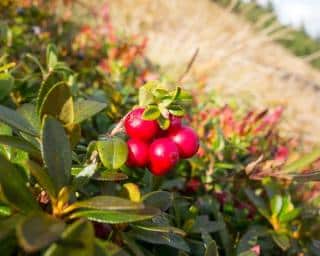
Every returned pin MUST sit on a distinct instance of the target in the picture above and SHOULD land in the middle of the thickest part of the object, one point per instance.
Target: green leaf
(176, 110)
(212, 249)
(276, 203)
(116, 217)
(51, 56)
(21, 144)
(16, 121)
(28, 111)
(76, 240)
(145, 95)
(42, 177)
(303, 162)
(106, 203)
(49, 81)
(150, 226)
(8, 225)
(132, 245)
(250, 239)
(289, 216)
(151, 112)
(58, 103)
(258, 202)
(6, 85)
(113, 152)
(163, 123)
(169, 239)
(38, 230)
(203, 224)
(110, 176)
(56, 152)
(14, 187)
(158, 199)
(84, 109)
(282, 241)
(5, 210)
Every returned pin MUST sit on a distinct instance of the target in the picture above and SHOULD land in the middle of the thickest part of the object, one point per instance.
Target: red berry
(187, 141)
(138, 128)
(138, 153)
(175, 123)
(163, 156)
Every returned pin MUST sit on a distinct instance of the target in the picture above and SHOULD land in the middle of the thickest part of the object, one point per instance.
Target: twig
(190, 63)
(119, 126)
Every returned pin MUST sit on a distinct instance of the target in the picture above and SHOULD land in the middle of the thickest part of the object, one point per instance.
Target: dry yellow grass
(237, 59)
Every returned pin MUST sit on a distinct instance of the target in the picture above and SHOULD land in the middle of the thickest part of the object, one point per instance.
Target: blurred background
(259, 53)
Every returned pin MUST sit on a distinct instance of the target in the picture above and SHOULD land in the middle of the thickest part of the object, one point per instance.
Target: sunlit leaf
(113, 152)
(302, 162)
(16, 121)
(106, 203)
(116, 217)
(151, 112)
(58, 103)
(84, 109)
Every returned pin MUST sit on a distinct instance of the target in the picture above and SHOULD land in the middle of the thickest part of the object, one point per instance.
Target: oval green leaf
(113, 152)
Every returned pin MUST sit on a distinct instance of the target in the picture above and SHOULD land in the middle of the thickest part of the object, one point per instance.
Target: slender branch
(190, 63)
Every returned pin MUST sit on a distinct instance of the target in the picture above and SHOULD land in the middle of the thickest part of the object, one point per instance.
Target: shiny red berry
(175, 123)
(163, 156)
(138, 128)
(187, 141)
(138, 153)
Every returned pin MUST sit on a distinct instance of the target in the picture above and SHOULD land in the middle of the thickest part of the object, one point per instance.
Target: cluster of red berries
(159, 150)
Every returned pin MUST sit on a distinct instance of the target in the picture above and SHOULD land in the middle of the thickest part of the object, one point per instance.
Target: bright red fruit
(187, 141)
(138, 153)
(175, 123)
(138, 128)
(163, 156)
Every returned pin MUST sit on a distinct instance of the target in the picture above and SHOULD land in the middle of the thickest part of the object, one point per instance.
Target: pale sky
(296, 12)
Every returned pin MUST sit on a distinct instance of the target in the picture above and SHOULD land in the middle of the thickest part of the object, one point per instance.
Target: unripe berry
(137, 153)
(163, 156)
(138, 128)
(187, 141)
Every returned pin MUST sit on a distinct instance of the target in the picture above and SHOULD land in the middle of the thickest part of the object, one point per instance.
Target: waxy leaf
(106, 248)
(169, 239)
(58, 103)
(28, 111)
(116, 217)
(8, 225)
(16, 121)
(6, 85)
(84, 109)
(56, 152)
(21, 144)
(49, 81)
(42, 177)
(39, 230)
(151, 112)
(258, 202)
(276, 204)
(113, 152)
(51, 56)
(212, 249)
(110, 176)
(76, 240)
(158, 199)
(14, 187)
(106, 203)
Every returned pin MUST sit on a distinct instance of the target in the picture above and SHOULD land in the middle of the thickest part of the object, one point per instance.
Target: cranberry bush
(98, 156)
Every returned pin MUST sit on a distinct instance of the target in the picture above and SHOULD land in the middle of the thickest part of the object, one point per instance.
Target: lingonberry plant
(87, 126)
